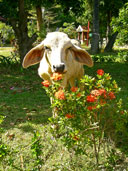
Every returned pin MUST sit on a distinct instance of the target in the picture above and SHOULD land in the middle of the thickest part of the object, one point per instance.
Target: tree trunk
(111, 42)
(21, 31)
(108, 32)
(95, 35)
(39, 18)
(25, 45)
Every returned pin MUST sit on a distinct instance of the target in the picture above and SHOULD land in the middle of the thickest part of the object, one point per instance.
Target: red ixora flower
(102, 102)
(102, 91)
(60, 95)
(90, 98)
(45, 83)
(78, 95)
(56, 76)
(95, 93)
(91, 107)
(69, 116)
(99, 92)
(74, 89)
(111, 95)
(100, 72)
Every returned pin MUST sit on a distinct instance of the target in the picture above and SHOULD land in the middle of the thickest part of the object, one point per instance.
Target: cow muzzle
(59, 68)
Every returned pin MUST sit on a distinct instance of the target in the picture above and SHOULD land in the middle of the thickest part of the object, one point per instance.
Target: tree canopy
(20, 14)
(120, 24)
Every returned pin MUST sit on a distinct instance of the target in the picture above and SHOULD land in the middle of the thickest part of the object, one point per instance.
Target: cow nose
(59, 68)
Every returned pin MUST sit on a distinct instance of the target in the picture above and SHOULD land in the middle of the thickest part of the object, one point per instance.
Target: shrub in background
(6, 34)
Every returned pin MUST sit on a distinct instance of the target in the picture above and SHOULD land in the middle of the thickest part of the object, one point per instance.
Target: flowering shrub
(100, 72)
(85, 116)
(46, 83)
(60, 95)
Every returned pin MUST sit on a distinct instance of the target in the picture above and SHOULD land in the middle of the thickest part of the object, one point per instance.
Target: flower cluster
(46, 83)
(91, 98)
(78, 109)
(60, 95)
(98, 96)
(56, 76)
(69, 116)
(100, 72)
(74, 89)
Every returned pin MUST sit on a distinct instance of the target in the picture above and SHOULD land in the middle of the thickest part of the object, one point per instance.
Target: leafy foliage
(120, 25)
(69, 28)
(81, 118)
(6, 34)
(36, 148)
(3, 147)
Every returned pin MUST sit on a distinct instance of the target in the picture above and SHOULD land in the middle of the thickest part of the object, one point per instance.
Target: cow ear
(82, 56)
(34, 56)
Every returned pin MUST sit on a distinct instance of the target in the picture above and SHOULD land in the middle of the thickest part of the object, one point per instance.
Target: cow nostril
(54, 67)
(62, 67)
(59, 68)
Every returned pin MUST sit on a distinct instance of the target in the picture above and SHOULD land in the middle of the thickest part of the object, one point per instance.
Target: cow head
(57, 50)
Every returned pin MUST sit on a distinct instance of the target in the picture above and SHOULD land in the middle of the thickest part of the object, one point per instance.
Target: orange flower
(74, 89)
(102, 102)
(103, 92)
(91, 107)
(111, 95)
(100, 72)
(56, 76)
(69, 116)
(91, 98)
(78, 95)
(60, 95)
(95, 93)
(46, 83)
(99, 92)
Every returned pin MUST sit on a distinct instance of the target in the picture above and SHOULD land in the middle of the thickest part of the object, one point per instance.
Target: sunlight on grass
(6, 51)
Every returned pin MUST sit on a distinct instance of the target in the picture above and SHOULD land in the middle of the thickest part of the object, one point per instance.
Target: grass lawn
(26, 108)
(6, 51)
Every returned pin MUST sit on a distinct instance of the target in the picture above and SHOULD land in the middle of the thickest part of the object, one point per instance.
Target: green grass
(26, 108)
(6, 51)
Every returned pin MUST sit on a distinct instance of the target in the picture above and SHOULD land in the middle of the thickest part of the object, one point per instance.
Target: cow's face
(58, 52)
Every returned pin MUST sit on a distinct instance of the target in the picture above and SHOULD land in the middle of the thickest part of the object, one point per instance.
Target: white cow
(58, 53)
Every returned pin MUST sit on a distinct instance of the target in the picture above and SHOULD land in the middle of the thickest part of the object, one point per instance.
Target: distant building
(83, 34)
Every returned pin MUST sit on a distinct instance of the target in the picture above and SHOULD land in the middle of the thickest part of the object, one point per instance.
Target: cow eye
(69, 48)
(47, 48)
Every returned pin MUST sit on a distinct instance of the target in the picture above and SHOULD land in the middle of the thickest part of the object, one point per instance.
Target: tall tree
(120, 25)
(39, 17)
(111, 42)
(108, 10)
(38, 4)
(16, 14)
(95, 35)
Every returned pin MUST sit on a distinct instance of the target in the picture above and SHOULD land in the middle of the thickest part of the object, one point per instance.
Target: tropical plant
(85, 118)
(120, 25)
